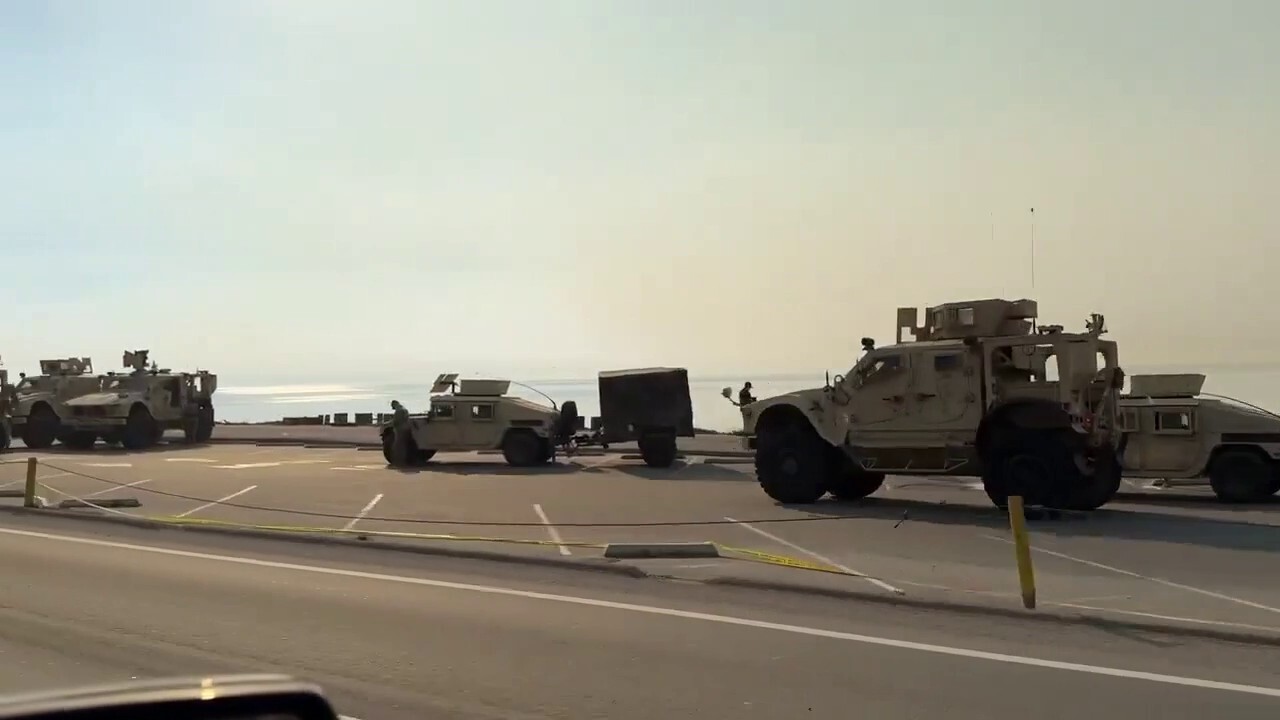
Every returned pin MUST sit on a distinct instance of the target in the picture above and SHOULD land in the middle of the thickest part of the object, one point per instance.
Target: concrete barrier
(656, 551)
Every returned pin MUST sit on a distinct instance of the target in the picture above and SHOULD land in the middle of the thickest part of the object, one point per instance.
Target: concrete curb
(657, 551)
(598, 565)
(1044, 614)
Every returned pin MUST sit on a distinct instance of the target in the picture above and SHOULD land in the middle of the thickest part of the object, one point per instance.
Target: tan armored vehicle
(1175, 432)
(478, 415)
(136, 408)
(6, 410)
(972, 393)
(39, 403)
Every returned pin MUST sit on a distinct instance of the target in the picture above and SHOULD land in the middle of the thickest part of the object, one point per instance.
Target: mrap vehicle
(39, 402)
(971, 392)
(1177, 433)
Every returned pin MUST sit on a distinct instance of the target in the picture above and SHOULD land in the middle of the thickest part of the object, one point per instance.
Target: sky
(324, 191)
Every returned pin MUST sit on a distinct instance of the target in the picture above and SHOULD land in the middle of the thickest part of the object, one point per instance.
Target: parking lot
(1181, 555)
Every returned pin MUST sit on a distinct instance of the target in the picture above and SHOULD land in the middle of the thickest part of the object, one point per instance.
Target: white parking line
(50, 476)
(135, 483)
(364, 511)
(820, 558)
(192, 511)
(1140, 576)
(105, 465)
(193, 459)
(551, 529)
(660, 611)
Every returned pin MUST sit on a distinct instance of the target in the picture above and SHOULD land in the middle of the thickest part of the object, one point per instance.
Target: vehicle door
(945, 389)
(480, 429)
(1165, 440)
(878, 396)
(440, 431)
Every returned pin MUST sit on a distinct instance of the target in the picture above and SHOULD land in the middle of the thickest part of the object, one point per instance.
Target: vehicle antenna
(530, 387)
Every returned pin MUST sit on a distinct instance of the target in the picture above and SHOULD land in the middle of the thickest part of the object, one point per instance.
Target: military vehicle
(650, 406)
(476, 415)
(971, 393)
(6, 410)
(39, 402)
(1179, 434)
(135, 409)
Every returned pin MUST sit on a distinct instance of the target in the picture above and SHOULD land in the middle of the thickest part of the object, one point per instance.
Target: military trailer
(39, 402)
(1176, 433)
(648, 406)
(136, 408)
(970, 392)
(472, 415)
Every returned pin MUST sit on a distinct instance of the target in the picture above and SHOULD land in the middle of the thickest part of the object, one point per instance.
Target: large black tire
(424, 456)
(792, 464)
(80, 440)
(658, 450)
(1093, 491)
(388, 443)
(402, 451)
(140, 430)
(521, 448)
(568, 422)
(205, 419)
(42, 428)
(852, 483)
(1038, 464)
(1239, 475)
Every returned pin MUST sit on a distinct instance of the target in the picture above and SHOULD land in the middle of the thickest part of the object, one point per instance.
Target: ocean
(246, 402)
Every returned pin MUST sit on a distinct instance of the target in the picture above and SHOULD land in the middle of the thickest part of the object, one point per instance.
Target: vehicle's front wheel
(852, 483)
(42, 428)
(791, 464)
(141, 431)
(1238, 475)
(1038, 465)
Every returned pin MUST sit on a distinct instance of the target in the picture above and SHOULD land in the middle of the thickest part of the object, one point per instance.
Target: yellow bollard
(1022, 550)
(29, 496)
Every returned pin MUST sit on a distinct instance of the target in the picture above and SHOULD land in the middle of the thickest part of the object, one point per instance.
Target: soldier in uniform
(744, 395)
(400, 434)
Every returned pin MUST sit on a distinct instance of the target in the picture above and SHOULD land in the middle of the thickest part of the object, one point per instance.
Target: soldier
(400, 434)
(744, 395)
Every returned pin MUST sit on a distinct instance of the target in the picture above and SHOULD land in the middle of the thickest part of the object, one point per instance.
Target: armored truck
(39, 402)
(1174, 432)
(136, 408)
(476, 415)
(977, 389)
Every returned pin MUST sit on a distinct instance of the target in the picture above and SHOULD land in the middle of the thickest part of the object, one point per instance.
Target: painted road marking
(551, 529)
(277, 463)
(356, 469)
(188, 459)
(364, 511)
(50, 476)
(192, 511)
(105, 465)
(135, 483)
(820, 558)
(1140, 576)
(948, 650)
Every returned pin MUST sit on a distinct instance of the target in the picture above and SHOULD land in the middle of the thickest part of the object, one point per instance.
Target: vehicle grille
(89, 411)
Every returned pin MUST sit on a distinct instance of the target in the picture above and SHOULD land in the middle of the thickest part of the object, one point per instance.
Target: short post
(1022, 551)
(29, 494)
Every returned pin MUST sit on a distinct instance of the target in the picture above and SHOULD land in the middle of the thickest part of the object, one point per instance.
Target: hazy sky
(551, 187)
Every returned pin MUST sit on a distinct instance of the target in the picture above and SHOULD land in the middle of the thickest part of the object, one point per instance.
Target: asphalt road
(1185, 560)
(393, 636)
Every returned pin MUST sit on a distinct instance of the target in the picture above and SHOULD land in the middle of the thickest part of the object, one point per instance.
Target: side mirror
(227, 697)
(727, 393)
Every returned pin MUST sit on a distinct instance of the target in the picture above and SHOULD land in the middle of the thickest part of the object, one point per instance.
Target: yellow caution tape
(784, 561)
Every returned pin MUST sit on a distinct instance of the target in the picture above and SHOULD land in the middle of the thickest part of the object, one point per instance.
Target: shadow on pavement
(1125, 524)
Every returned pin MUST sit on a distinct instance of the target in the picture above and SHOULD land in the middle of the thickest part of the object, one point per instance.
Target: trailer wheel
(1238, 475)
(521, 448)
(658, 449)
(791, 464)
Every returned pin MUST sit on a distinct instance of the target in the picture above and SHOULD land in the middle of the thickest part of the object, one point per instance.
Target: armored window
(482, 412)
(442, 410)
(1174, 421)
(965, 316)
(881, 367)
(944, 363)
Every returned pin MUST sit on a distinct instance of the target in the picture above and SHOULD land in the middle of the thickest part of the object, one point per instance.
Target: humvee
(477, 415)
(39, 403)
(970, 393)
(135, 409)
(1176, 433)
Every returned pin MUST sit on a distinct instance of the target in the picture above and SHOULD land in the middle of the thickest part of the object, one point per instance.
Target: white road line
(551, 529)
(135, 483)
(215, 502)
(191, 459)
(50, 476)
(356, 469)
(1140, 576)
(277, 463)
(364, 511)
(105, 465)
(951, 651)
(820, 558)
